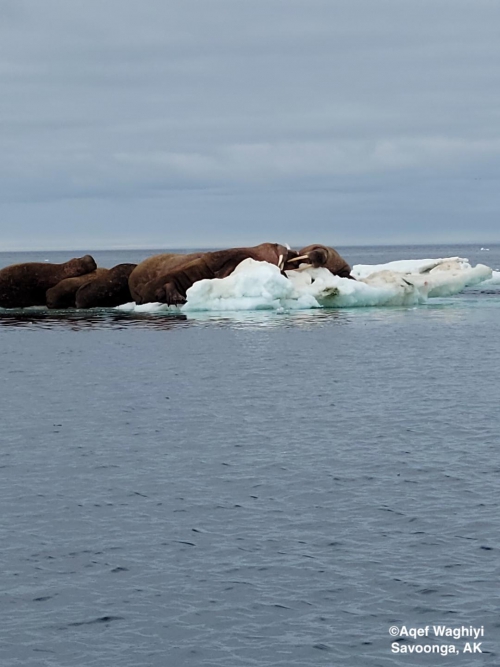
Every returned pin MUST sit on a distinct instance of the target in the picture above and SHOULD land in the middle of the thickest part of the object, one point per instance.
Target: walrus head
(318, 257)
(284, 254)
(87, 261)
(79, 266)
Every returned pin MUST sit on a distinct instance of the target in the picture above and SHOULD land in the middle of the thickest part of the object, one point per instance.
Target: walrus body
(172, 288)
(107, 290)
(24, 285)
(142, 279)
(63, 294)
(321, 256)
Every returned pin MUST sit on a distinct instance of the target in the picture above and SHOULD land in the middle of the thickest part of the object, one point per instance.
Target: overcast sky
(167, 123)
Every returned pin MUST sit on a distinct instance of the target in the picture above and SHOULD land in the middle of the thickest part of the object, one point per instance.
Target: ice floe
(261, 286)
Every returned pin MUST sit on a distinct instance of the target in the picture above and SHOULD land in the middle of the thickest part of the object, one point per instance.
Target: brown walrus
(143, 276)
(24, 285)
(172, 287)
(108, 290)
(321, 256)
(63, 294)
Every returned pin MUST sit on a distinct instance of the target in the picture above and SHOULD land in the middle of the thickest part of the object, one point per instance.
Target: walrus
(321, 256)
(107, 290)
(24, 285)
(150, 270)
(63, 294)
(172, 287)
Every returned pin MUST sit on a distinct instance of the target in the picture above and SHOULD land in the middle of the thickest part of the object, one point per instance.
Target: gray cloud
(213, 122)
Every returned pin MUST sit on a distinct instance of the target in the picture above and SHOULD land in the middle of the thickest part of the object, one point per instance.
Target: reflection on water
(270, 318)
(450, 309)
(85, 319)
(76, 320)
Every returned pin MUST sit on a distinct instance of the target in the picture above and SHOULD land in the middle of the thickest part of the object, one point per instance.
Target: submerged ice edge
(257, 286)
(493, 281)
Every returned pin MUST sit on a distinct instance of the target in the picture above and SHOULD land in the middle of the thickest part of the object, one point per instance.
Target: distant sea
(354, 254)
(269, 489)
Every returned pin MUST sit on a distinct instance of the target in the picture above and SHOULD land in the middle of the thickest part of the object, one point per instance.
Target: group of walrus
(165, 278)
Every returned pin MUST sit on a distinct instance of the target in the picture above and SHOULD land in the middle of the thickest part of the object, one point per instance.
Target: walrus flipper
(170, 295)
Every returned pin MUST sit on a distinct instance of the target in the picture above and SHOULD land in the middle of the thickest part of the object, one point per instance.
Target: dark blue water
(262, 489)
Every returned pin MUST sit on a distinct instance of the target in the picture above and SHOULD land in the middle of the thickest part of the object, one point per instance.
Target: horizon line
(118, 248)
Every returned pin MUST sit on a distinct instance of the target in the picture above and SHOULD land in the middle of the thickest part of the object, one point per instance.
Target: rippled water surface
(254, 489)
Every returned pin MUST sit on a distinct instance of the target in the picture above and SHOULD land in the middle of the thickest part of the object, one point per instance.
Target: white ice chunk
(132, 307)
(383, 288)
(252, 286)
(404, 266)
(451, 278)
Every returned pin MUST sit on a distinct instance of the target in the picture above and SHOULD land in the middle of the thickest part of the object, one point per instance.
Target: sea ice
(260, 286)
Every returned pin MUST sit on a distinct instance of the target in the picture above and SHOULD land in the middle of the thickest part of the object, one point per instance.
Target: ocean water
(269, 489)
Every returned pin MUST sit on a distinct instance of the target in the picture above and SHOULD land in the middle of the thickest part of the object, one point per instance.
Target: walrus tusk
(297, 259)
(280, 263)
